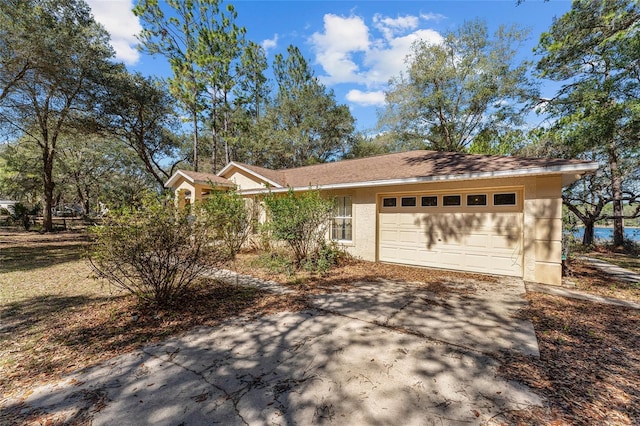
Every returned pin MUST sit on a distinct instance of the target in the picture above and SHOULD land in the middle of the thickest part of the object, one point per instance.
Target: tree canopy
(468, 87)
(50, 81)
(594, 52)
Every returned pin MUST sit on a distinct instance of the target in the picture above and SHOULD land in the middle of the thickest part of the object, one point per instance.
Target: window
(508, 199)
(429, 201)
(451, 200)
(342, 216)
(389, 202)
(408, 202)
(477, 200)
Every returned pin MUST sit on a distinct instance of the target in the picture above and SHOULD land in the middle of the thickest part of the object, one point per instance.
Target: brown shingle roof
(199, 177)
(405, 165)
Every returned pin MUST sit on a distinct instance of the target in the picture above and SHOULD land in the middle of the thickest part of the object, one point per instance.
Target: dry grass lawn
(55, 318)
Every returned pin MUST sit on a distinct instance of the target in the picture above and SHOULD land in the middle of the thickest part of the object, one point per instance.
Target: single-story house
(477, 213)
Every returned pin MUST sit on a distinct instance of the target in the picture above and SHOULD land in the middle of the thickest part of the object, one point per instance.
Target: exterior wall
(539, 198)
(543, 230)
(364, 219)
(188, 193)
(244, 180)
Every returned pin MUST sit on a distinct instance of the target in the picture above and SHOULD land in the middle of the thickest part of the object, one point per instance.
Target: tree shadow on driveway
(306, 367)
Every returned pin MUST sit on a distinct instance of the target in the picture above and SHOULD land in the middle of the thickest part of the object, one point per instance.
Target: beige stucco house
(477, 213)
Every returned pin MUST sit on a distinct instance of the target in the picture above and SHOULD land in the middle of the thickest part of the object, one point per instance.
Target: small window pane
(342, 206)
(504, 199)
(341, 230)
(408, 201)
(389, 202)
(477, 200)
(451, 200)
(430, 201)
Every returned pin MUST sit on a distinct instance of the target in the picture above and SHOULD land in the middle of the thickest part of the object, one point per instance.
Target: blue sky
(354, 46)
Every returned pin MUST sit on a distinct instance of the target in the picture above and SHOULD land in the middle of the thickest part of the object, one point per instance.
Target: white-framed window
(477, 200)
(408, 201)
(451, 200)
(342, 227)
(389, 202)
(504, 199)
(429, 201)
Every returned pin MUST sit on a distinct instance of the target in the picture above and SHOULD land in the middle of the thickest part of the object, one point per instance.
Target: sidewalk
(615, 271)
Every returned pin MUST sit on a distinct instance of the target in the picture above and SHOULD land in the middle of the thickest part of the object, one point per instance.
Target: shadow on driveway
(309, 367)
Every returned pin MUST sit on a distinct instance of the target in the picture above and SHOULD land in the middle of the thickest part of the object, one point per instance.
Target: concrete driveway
(382, 354)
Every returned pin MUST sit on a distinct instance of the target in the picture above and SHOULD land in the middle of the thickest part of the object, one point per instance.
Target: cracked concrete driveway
(381, 354)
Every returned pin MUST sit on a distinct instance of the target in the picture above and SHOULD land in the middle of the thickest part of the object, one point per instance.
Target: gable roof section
(274, 178)
(197, 177)
(418, 166)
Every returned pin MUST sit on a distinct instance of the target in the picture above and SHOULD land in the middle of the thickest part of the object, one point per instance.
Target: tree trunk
(49, 185)
(214, 154)
(587, 238)
(616, 193)
(195, 140)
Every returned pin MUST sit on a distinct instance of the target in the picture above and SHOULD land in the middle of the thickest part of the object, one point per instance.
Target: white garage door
(486, 242)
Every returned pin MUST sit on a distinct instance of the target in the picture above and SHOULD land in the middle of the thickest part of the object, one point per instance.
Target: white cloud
(392, 26)
(335, 47)
(437, 17)
(389, 60)
(349, 52)
(118, 19)
(270, 43)
(375, 98)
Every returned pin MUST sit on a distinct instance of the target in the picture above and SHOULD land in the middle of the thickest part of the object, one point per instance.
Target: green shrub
(22, 215)
(155, 252)
(231, 217)
(301, 221)
(328, 256)
(276, 261)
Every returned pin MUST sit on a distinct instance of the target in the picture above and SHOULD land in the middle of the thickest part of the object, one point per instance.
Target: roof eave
(176, 176)
(575, 171)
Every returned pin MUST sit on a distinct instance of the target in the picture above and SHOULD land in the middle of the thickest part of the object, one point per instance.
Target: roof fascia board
(175, 177)
(241, 167)
(566, 169)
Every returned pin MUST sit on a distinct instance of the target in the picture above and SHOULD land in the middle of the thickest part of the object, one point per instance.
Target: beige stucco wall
(244, 181)
(543, 230)
(191, 192)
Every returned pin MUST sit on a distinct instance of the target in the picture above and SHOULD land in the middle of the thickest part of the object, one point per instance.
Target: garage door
(476, 241)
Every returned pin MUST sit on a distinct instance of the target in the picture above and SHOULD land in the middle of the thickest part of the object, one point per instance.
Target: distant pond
(606, 234)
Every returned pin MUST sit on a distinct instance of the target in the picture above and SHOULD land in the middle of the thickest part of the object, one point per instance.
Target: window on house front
(389, 202)
(508, 199)
(477, 200)
(429, 201)
(450, 200)
(341, 228)
(408, 202)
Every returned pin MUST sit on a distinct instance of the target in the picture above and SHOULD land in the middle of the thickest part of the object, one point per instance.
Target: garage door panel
(389, 235)
(505, 242)
(409, 236)
(479, 240)
(477, 261)
(489, 243)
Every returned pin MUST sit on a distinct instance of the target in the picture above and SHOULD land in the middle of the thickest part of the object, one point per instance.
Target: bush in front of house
(231, 218)
(301, 221)
(156, 251)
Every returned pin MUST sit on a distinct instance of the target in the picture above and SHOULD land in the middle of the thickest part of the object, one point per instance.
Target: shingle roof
(408, 165)
(199, 177)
